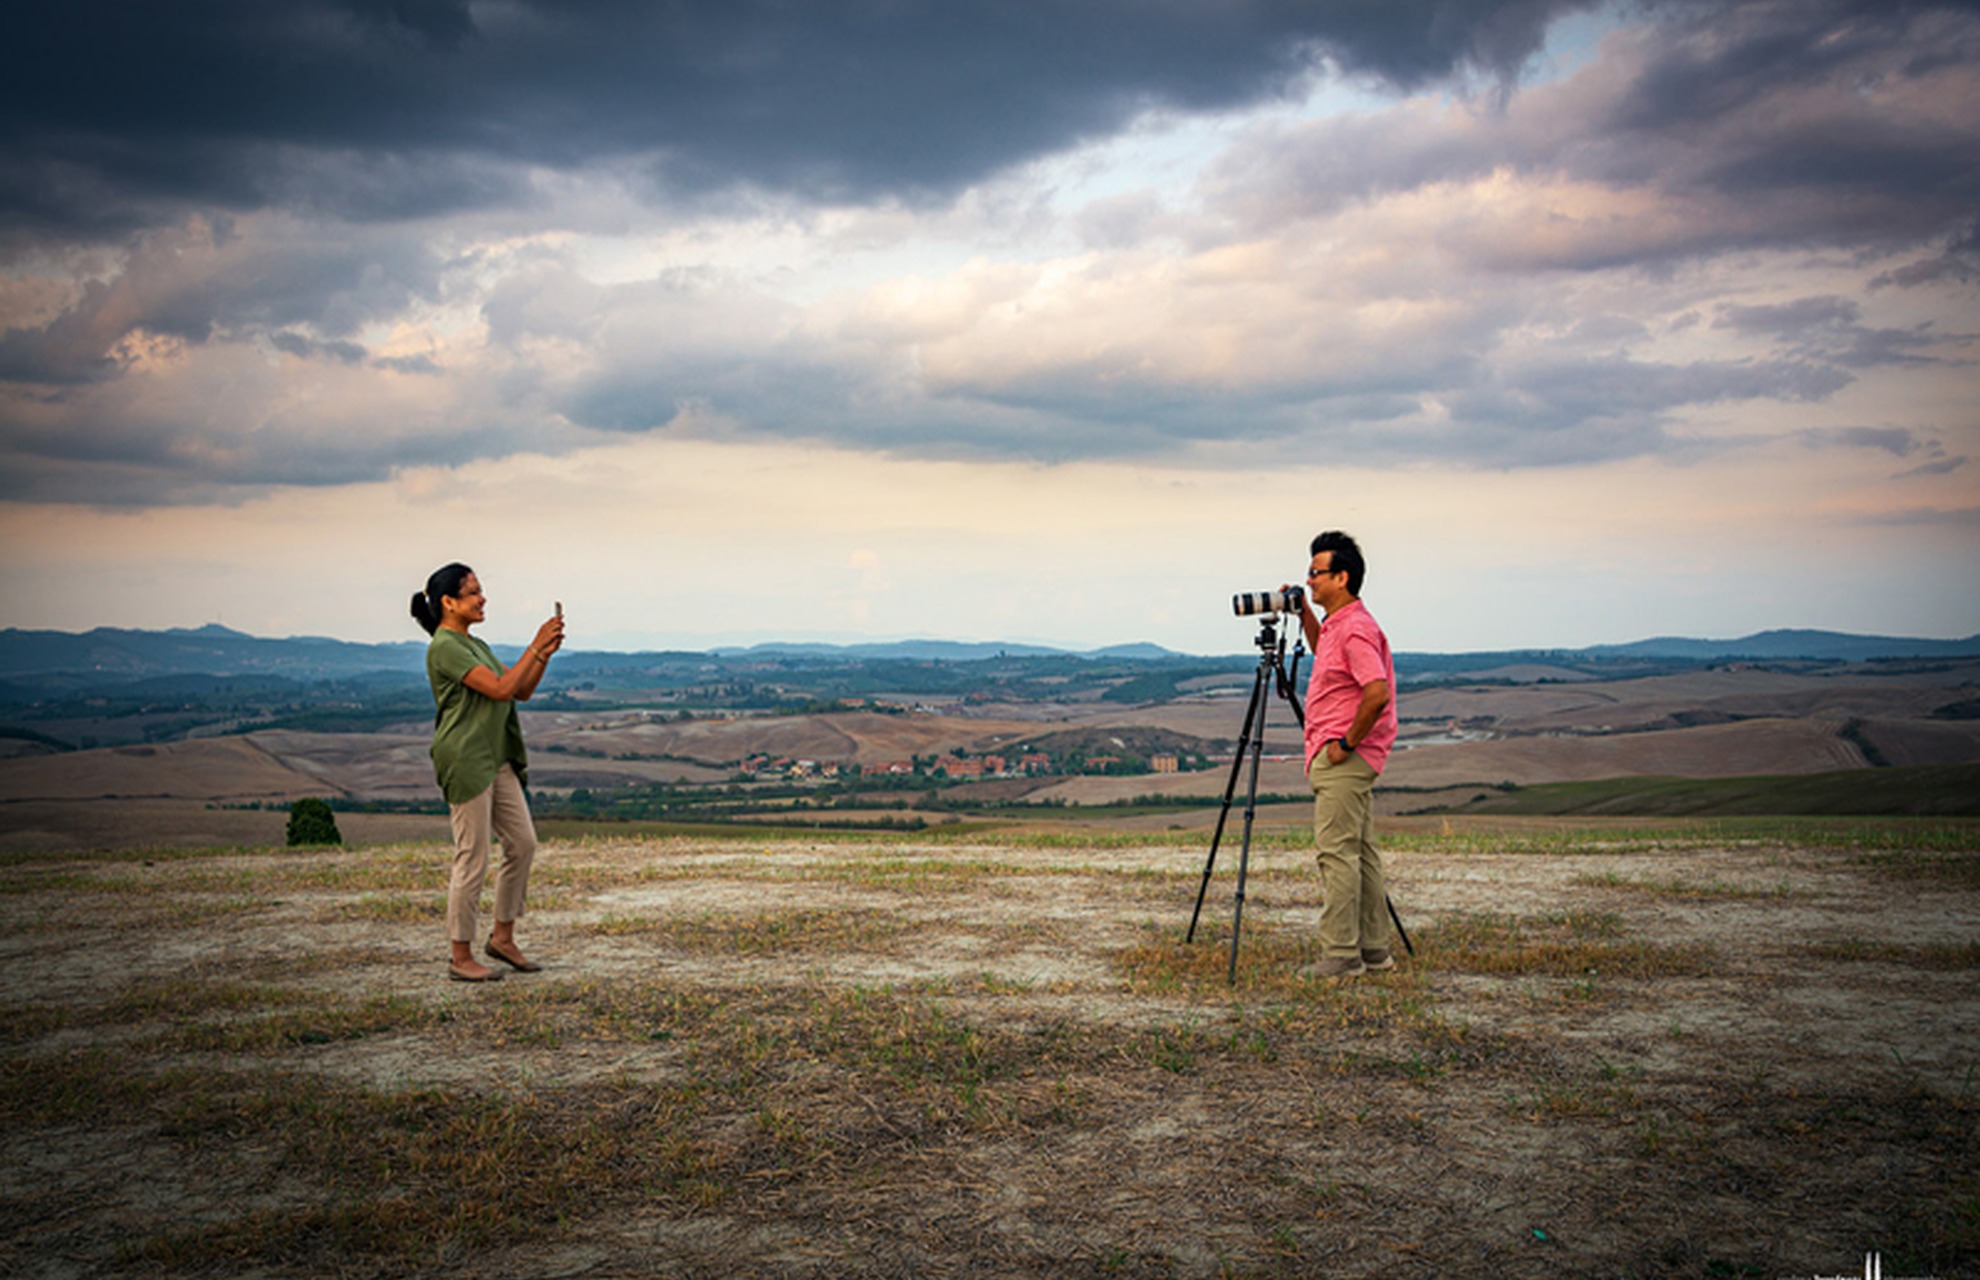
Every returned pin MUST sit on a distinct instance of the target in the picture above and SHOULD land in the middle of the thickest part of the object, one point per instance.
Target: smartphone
(560, 608)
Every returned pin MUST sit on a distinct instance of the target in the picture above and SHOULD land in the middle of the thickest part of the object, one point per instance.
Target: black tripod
(1271, 663)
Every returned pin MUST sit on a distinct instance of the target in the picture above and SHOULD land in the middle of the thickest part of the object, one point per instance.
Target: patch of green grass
(46, 1092)
(914, 1041)
(1276, 1004)
(1566, 836)
(309, 1022)
(1959, 870)
(1930, 955)
(160, 855)
(1565, 839)
(177, 998)
(427, 1178)
(771, 1097)
(404, 907)
(918, 871)
(1682, 889)
(747, 832)
(1943, 1227)
(224, 1015)
(76, 884)
(918, 874)
(761, 933)
(1933, 791)
(1578, 923)
(1890, 835)
(1609, 1091)
(1177, 1050)
(26, 1023)
(1571, 946)
(632, 1012)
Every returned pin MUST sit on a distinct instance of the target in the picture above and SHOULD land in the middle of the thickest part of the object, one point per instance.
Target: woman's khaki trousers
(501, 812)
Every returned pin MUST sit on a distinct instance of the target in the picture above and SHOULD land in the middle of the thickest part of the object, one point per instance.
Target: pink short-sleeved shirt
(1352, 652)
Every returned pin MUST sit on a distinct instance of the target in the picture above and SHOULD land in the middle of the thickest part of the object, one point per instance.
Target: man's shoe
(1377, 959)
(1335, 969)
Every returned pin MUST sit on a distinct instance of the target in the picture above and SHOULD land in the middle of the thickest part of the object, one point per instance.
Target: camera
(1246, 603)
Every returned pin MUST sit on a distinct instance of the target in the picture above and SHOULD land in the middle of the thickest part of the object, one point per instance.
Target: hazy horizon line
(624, 644)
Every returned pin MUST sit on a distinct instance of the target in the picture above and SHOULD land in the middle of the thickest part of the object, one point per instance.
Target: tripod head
(1268, 639)
(1271, 643)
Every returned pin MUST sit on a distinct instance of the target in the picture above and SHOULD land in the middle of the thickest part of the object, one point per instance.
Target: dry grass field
(1700, 1050)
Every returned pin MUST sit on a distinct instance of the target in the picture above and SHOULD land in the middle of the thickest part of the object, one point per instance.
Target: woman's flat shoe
(520, 966)
(455, 975)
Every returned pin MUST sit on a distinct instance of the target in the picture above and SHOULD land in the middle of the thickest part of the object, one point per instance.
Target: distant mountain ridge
(1782, 645)
(219, 650)
(208, 650)
(108, 652)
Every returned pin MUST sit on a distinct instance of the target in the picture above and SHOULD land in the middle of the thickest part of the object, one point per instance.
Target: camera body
(1246, 603)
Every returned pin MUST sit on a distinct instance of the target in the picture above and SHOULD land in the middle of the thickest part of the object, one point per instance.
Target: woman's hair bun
(442, 582)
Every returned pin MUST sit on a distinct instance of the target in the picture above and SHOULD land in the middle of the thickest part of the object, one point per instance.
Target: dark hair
(446, 581)
(1346, 556)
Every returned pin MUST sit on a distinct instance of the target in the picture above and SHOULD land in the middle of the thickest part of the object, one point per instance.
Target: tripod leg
(1244, 850)
(1252, 714)
(1397, 921)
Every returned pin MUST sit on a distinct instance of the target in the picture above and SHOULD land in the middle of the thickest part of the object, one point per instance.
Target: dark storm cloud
(206, 282)
(1809, 98)
(1789, 319)
(308, 348)
(1899, 442)
(1595, 410)
(408, 364)
(1943, 466)
(1959, 263)
(68, 351)
(145, 456)
(115, 112)
(1787, 122)
(1827, 329)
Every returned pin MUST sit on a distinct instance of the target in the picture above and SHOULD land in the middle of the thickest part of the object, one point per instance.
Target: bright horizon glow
(912, 568)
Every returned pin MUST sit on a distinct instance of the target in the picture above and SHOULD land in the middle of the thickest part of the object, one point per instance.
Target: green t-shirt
(473, 736)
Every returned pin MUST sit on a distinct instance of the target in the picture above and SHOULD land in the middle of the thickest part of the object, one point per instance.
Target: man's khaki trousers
(1353, 919)
(502, 811)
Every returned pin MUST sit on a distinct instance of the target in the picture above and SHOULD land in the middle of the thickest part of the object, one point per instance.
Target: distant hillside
(1776, 646)
(116, 653)
(1670, 654)
(60, 661)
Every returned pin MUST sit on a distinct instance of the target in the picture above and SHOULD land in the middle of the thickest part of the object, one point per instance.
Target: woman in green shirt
(479, 759)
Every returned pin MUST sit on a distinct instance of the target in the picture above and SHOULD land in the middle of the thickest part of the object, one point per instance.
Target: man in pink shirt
(1350, 726)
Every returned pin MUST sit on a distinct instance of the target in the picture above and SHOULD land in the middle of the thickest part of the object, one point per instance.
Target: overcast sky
(732, 320)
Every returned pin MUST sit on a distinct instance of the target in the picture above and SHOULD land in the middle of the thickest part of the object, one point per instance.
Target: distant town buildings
(958, 765)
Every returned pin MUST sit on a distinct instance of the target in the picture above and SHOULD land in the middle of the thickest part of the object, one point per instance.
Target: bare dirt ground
(1699, 1052)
